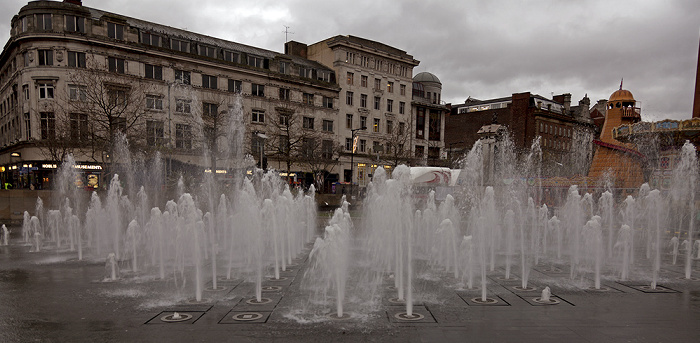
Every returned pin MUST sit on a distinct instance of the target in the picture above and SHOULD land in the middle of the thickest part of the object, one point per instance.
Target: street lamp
(352, 157)
(262, 146)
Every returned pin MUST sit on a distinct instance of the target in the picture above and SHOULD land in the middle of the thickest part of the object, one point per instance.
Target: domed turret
(427, 86)
(426, 77)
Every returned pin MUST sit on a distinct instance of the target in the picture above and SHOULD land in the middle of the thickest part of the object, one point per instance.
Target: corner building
(376, 82)
(183, 75)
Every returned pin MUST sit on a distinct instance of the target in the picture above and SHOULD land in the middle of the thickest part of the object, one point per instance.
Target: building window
(77, 92)
(75, 24)
(390, 87)
(150, 39)
(116, 97)
(348, 121)
(305, 72)
(327, 125)
(284, 120)
(115, 31)
(154, 72)
(257, 144)
(25, 90)
(420, 123)
(208, 81)
(350, 57)
(257, 62)
(308, 123)
(420, 151)
(46, 90)
(235, 86)
(307, 99)
(402, 89)
(363, 81)
(351, 78)
(43, 22)
(434, 126)
(116, 65)
(76, 59)
(258, 116)
(377, 84)
(79, 126)
(119, 124)
(363, 121)
(402, 128)
(182, 77)
(284, 67)
(402, 107)
(327, 149)
(47, 120)
(284, 94)
(389, 126)
(179, 45)
(363, 100)
(206, 50)
(154, 102)
(377, 147)
(232, 56)
(375, 127)
(209, 109)
(363, 145)
(325, 75)
(348, 98)
(327, 102)
(377, 102)
(155, 133)
(257, 90)
(183, 136)
(27, 126)
(348, 144)
(389, 105)
(45, 57)
(183, 106)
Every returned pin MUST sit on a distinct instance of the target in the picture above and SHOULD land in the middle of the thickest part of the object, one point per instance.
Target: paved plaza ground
(50, 296)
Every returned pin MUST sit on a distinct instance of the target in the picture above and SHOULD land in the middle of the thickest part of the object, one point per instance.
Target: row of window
(377, 64)
(558, 130)
(76, 24)
(556, 144)
(350, 101)
(377, 83)
(375, 124)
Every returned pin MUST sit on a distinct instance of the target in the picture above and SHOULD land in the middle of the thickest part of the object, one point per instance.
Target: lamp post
(262, 146)
(352, 158)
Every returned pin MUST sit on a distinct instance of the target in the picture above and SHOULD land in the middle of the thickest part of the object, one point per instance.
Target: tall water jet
(624, 243)
(329, 259)
(685, 182)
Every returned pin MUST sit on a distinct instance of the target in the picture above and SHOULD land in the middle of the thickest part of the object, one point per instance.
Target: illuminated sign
(15, 154)
(88, 166)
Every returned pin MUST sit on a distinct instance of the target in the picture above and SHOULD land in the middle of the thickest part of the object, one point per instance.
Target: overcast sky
(483, 49)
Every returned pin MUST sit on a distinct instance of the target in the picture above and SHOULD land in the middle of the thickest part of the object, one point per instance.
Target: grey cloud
(482, 49)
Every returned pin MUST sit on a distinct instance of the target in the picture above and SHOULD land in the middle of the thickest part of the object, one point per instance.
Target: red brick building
(562, 127)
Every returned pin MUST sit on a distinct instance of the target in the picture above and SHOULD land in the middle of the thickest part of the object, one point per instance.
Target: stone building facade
(185, 80)
(375, 81)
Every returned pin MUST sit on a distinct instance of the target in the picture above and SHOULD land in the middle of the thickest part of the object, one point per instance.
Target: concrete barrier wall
(14, 202)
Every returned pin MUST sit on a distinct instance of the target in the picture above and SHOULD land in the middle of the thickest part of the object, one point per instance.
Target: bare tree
(286, 134)
(99, 105)
(397, 149)
(320, 153)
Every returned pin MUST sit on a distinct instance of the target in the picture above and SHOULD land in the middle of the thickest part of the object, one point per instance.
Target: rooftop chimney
(295, 49)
